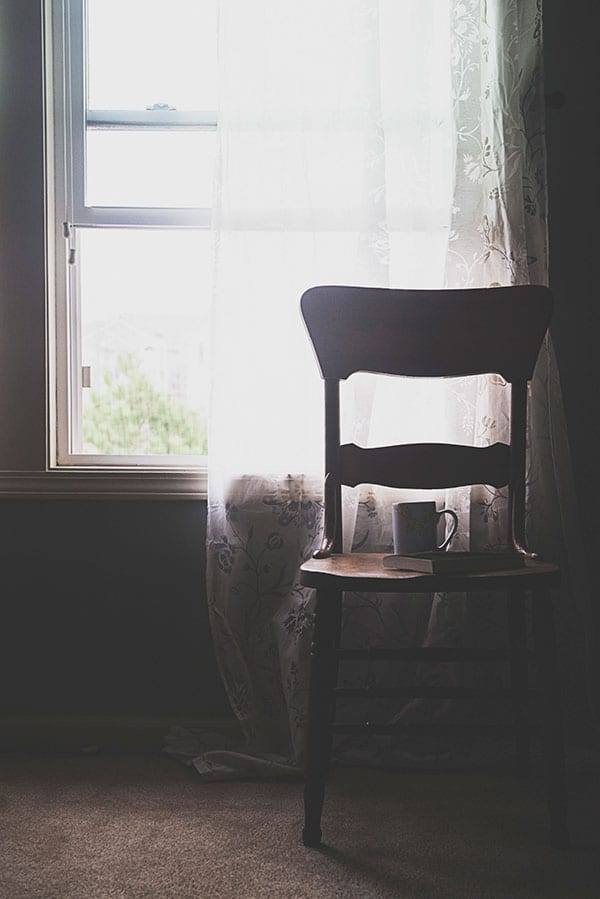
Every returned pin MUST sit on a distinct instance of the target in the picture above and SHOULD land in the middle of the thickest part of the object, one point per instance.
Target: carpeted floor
(143, 826)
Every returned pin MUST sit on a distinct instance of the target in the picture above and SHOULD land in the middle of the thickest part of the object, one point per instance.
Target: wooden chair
(429, 333)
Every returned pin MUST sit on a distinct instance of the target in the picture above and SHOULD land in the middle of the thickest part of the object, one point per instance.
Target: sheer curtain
(360, 142)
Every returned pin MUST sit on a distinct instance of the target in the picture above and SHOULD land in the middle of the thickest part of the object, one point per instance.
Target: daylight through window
(135, 124)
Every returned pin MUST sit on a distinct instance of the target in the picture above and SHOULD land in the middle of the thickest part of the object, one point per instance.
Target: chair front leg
(321, 708)
(552, 729)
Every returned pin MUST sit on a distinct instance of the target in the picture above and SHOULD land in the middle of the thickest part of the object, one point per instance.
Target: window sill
(103, 484)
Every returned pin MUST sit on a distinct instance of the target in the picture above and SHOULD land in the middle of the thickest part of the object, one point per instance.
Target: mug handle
(453, 530)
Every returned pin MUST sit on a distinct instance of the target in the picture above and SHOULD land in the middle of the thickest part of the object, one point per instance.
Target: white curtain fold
(379, 143)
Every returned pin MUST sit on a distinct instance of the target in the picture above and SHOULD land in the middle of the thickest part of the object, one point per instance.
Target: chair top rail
(427, 333)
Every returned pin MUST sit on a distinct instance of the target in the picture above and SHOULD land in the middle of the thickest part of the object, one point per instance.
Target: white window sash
(156, 119)
(69, 121)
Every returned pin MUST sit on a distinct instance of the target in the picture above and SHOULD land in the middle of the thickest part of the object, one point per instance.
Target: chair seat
(364, 572)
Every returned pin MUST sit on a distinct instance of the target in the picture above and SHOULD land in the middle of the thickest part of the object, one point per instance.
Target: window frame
(66, 123)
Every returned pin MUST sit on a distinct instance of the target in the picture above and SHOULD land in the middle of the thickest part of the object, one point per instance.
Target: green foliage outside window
(129, 416)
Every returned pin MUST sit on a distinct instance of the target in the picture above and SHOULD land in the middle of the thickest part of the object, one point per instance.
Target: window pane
(149, 168)
(144, 300)
(142, 52)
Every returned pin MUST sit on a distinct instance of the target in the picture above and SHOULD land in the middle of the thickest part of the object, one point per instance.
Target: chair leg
(517, 637)
(552, 730)
(321, 707)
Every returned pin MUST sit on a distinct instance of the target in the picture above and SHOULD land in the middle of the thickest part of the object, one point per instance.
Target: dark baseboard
(89, 735)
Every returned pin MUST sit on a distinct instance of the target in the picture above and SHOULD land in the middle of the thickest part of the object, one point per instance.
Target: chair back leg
(550, 707)
(517, 642)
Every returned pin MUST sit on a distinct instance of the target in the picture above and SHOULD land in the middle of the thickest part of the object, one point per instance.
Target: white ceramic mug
(415, 527)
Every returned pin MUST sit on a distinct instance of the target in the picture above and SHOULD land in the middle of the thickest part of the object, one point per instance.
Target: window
(134, 122)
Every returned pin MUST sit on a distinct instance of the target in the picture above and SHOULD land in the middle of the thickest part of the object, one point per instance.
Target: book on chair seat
(455, 562)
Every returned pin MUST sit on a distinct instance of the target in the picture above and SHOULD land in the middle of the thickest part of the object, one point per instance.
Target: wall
(103, 609)
(22, 343)
(572, 67)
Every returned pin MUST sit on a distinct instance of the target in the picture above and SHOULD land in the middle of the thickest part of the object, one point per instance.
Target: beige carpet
(143, 826)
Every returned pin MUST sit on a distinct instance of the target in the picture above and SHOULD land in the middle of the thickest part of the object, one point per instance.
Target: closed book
(455, 562)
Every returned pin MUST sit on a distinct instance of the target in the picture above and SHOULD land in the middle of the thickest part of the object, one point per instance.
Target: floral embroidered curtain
(382, 143)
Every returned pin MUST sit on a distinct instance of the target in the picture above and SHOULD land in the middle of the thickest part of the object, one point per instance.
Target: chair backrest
(426, 333)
